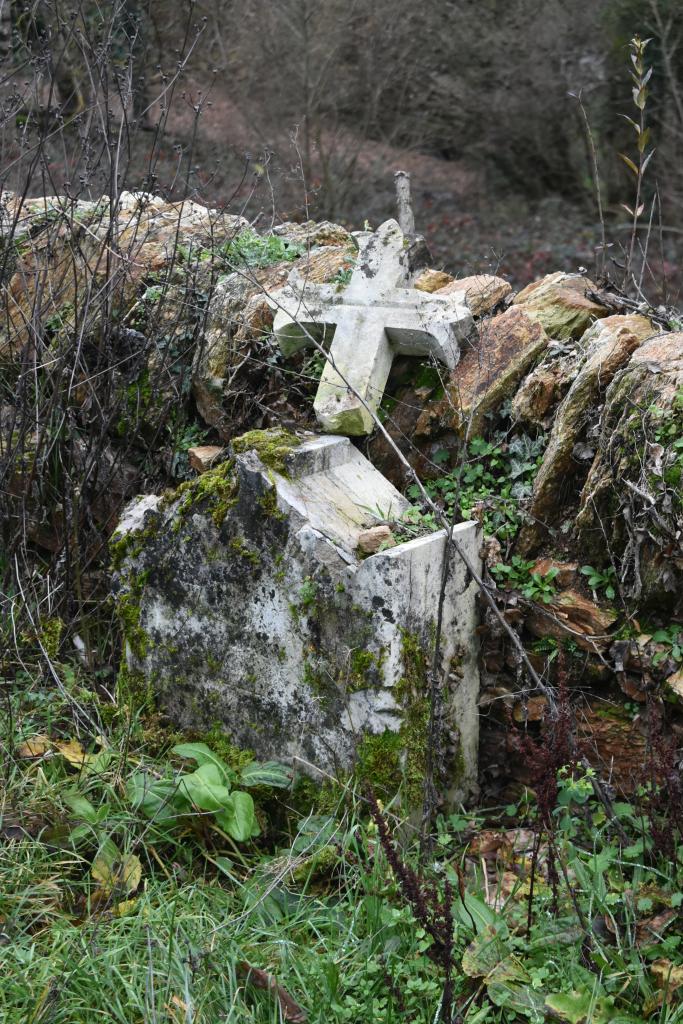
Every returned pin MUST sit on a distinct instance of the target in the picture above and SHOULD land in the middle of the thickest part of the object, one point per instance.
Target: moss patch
(215, 491)
(271, 446)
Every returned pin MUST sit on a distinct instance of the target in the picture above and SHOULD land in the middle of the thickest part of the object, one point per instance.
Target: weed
(601, 580)
(519, 575)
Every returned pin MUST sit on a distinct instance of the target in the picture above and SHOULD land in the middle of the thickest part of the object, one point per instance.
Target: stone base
(253, 608)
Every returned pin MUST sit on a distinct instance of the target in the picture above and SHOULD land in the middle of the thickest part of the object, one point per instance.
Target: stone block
(246, 603)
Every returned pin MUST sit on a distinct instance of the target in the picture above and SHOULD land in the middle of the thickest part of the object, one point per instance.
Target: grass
(106, 915)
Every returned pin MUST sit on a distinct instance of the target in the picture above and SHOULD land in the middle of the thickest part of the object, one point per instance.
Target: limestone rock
(634, 490)
(311, 234)
(570, 615)
(432, 280)
(482, 291)
(245, 603)
(370, 541)
(203, 457)
(489, 369)
(558, 301)
(606, 347)
(542, 390)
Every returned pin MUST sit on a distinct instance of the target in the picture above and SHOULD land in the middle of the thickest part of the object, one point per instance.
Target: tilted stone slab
(376, 316)
(257, 611)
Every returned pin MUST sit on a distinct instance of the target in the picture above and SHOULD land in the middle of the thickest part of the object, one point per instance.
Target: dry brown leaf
(291, 1011)
(36, 746)
(487, 842)
(497, 895)
(667, 977)
(651, 928)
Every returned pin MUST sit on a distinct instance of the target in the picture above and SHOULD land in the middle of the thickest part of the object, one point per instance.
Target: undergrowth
(114, 911)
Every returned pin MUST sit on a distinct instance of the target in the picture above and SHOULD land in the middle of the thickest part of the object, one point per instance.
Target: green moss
(387, 757)
(271, 446)
(215, 491)
(365, 669)
(268, 504)
(219, 742)
(241, 548)
(51, 636)
(321, 796)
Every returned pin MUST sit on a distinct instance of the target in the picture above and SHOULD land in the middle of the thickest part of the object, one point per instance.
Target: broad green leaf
(239, 821)
(482, 915)
(202, 754)
(158, 799)
(205, 788)
(268, 773)
(82, 807)
(581, 1007)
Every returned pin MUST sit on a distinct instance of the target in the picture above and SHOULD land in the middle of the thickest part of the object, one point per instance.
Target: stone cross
(376, 316)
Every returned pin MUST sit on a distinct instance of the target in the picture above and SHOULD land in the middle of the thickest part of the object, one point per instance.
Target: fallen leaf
(36, 746)
(667, 977)
(651, 928)
(73, 752)
(120, 872)
(488, 842)
(291, 1011)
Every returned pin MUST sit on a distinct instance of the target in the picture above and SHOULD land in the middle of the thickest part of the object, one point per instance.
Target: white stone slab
(271, 622)
(367, 322)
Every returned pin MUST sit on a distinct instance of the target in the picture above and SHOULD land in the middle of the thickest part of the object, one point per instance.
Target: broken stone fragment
(311, 234)
(606, 347)
(482, 291)
(542, 390)
(204, 456)
(634, 488)
(432, 280)
(558, 301)
(490, 367)
(370, 541)
(253, 608)
(570, 615)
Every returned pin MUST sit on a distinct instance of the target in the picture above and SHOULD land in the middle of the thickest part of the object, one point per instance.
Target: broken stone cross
(376, 316)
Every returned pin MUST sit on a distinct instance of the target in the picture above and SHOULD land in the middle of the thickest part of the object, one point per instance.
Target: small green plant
(519, 575)
(640, 77)
(248, 249)
(672, 638)
(601, 580)
(496, 478)
(208, 790)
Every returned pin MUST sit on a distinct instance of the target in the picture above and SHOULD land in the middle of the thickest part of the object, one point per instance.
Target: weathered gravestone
(369, 320)
(248, 604)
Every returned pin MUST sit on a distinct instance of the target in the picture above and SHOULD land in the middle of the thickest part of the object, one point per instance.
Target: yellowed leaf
(122, 873)
(36, 746)
(124, 907)
(667, 976)
(73, 752)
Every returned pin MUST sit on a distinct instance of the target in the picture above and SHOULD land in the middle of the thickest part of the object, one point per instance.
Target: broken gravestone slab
(246, 602)
(374, 317)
